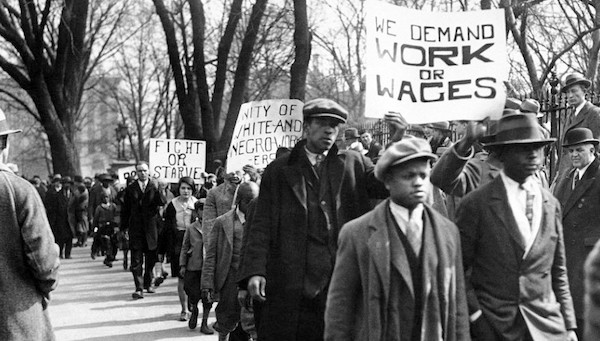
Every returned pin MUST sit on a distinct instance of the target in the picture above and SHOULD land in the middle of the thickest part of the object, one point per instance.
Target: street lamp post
(122, 131)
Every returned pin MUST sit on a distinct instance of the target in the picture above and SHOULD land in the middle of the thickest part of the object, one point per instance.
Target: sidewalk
(93, 302)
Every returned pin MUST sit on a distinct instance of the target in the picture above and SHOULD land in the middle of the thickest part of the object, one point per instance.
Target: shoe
(138, 295)
(68, 257)
(158, 281)
(150, 290)
(108, 263)
(183, 316)
(193, 322)
(165, 275)
(93, 256)
(205, 329)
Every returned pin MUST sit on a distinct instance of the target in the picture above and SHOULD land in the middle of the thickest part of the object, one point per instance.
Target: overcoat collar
(298, 160)
(501, 208)
(583, 186)
(581, 116)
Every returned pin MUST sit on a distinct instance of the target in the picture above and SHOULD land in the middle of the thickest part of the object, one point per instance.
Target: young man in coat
(28, 256)
(512, 242)
(579, 197)
(583, 115)
(398, 273)
(138, 216)
(222, 260)
(305, 198)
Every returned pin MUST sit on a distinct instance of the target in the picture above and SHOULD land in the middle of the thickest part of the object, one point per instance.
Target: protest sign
(171, 159)
(433, 67)
(261, 128)
(125, 173)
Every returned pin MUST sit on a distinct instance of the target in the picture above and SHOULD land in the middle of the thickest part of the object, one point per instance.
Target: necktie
(143, 187)
(528, 205)
(319, 160)
(575, 179)
(414, 235)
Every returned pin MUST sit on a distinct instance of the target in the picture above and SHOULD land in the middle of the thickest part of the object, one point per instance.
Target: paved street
(93, 302)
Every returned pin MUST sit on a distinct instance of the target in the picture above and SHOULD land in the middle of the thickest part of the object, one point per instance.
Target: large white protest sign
(171, 159)
(261, 128)
(435, 66)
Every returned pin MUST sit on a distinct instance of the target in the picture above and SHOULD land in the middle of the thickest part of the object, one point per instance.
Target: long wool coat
(581, 227)
(276, 244)
(358, 298)
(28, 261)
(138, 215)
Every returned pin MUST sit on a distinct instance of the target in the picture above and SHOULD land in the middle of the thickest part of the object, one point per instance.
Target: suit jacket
(581, 228)
(96, 198)
(138, 214)
(192, 248)
(217, 261)
(276, 245)
(374, 149)
(219, 201)
(503, 284)
(29, 261)
(592, 295)
(357, 302)
(588, 117)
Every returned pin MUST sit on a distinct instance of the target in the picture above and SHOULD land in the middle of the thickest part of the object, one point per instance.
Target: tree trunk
(222, 56)
(302, 39)
(206, 111)
(242, 72)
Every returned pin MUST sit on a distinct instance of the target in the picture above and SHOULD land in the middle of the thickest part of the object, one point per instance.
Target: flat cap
(401, 152)
(323, 107)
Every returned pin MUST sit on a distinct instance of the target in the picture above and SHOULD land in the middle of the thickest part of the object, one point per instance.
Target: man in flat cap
(512, 243)
(583, 115)
(579, 196)
(398, 273)
(305, 197)
(28, 256)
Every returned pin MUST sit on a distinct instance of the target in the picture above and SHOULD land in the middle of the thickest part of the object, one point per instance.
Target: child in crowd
(104, 223)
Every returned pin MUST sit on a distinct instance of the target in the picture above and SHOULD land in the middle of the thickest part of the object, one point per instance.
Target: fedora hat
(578, 136)
(351, 133)
(517, 129)
(575, 78)
(4, 129)
(403, 151)
(493, 125)
(512, 103)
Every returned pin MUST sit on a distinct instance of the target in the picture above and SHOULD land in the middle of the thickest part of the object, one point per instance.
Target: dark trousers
(66, 245)
(311, 318)
(228, 309)
(139, 257)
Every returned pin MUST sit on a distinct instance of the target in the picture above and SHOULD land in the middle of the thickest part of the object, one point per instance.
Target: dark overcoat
(28, 261)
(138, 214)
(57, 204)
(581, 225)
(358, 298)
(276, 245)
(503, 284)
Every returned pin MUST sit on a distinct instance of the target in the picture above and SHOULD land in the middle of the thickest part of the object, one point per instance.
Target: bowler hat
(351, 133)
(518, 129)
(401, 152)
(573, 79)
(445, 125)
(578, 136)
(323, 107)
(4, 129)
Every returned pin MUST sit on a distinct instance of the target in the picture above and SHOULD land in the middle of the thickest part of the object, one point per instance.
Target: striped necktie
(575, 179)
(528, 205)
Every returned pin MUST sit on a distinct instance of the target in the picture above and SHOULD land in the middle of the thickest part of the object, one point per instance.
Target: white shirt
(143, 185)
(582, 170)
(578, 108)
(312, 157)
(517, 198)
(241, 215)
(402, 215)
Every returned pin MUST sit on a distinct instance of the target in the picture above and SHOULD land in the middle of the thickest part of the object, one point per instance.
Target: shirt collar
(404, 213)
(312, 157)
(582, 170)
(529, 182)
(241, 216)
(579, 107)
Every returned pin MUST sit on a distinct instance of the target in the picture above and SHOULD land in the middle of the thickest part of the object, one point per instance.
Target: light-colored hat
(573, 79)
(4, 129)
(401, 152)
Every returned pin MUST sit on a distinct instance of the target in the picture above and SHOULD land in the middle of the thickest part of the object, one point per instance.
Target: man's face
(321, 134)
(575, 95)
(142, 172)
(210, 183)
(521, 161)
(581, 154)
(366, 139)
(408, 183)
(461, 129)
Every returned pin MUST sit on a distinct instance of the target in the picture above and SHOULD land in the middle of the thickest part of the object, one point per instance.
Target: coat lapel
(430, 262)
(575, 121)
(379, 246)
(229, 232)
(501, 208)
(293, 175)
(335, 172)
(546, 226)
(582, 187)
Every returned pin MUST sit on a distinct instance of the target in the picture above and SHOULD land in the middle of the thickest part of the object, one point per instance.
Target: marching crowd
(451, 231)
